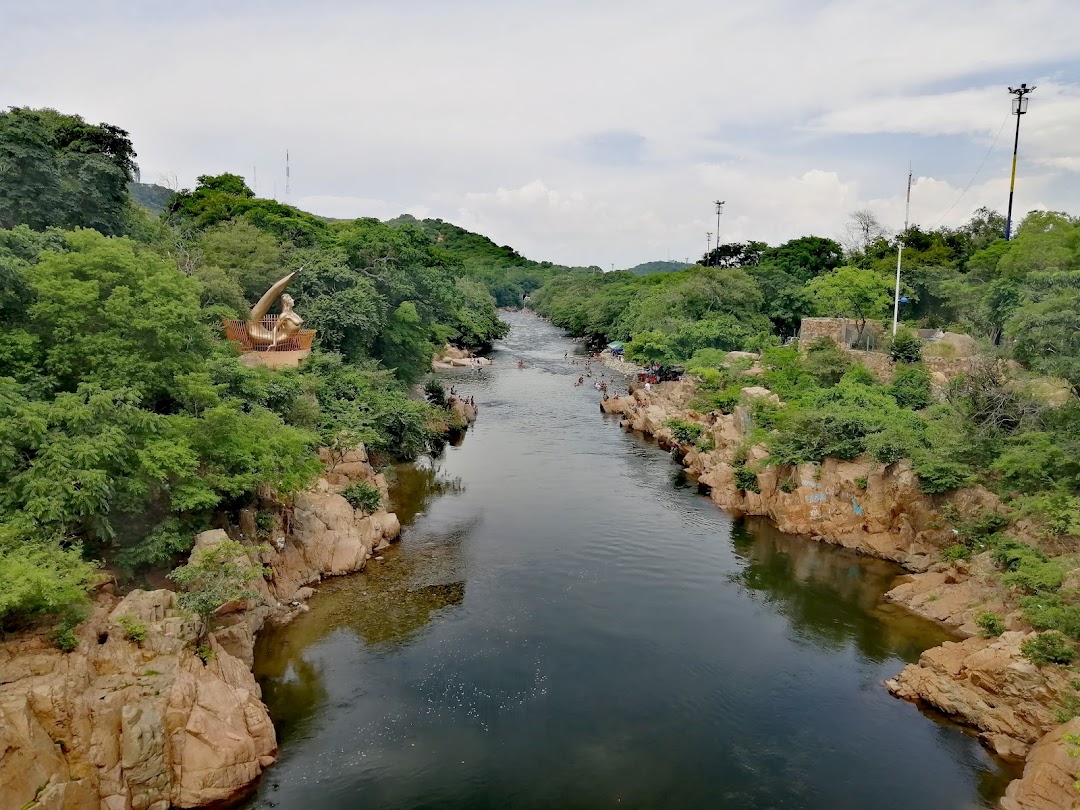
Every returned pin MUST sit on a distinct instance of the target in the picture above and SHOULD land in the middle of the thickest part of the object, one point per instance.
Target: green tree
(851, 292)
(58, 170)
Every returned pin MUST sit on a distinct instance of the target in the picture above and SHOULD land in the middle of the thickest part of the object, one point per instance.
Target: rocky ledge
(147, 724)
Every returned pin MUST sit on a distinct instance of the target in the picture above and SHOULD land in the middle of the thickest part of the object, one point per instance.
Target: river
(567, 623)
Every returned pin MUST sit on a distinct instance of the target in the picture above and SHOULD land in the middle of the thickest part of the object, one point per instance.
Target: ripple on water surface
(567, 623)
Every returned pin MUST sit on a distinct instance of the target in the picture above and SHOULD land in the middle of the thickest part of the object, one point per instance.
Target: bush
(1051, 611)
(825, 361)
(362, 495)
(911, 387)
(955, 552)
(38, 577)
(435, 393)
(1029, 569)
(684, 432)
(706, 443)
(65, 638)
(991, 624)
(134, 630)
(906, 347)
(938, 475)
(1050, 647)
(216, 576)
(746, 479)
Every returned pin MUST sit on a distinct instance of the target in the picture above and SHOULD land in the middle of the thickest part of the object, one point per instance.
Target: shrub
(38, 577)
(861, 482)
(435, 393)
(1052, 611)
(911, 387)
(906, 347)
(684, 432)
(938, 475)
(65, 638)
(264, 523)
(991, 624)
(825, 361)
(746, 479)
(1050, 647)
(706, 443)
(955, 552)
(858, 373)
(134, 630)
(1029, 569)
(362, 495)
(216, 576)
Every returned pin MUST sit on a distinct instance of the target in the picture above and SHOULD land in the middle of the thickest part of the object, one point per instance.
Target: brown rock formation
(1051, 770)
(985, 683)
(119, 725)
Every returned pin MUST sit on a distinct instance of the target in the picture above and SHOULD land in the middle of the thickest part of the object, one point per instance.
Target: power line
(974, 176)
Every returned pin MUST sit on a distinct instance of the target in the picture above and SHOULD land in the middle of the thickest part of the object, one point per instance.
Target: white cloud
(468, 110)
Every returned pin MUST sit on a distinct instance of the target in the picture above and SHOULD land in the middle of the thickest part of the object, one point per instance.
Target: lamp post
(719, 210)
(708, 246)
(1019, 107)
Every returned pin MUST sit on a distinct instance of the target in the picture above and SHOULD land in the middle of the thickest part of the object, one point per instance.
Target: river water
(567, 623)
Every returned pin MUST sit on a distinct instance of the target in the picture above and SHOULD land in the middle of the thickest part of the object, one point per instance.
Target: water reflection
(413, 486)
(399, 593)
(830, 596)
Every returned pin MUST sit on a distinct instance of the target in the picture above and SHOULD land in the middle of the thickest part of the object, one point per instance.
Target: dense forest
(1011, 422)
(127, 422)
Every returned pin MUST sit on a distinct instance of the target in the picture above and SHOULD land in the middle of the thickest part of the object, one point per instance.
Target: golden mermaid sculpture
(272, 331)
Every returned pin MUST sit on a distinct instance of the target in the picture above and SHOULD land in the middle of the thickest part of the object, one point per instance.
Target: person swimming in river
(521, 364)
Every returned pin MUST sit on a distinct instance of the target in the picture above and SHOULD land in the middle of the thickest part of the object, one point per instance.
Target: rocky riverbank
(983, 683)
(144, 721)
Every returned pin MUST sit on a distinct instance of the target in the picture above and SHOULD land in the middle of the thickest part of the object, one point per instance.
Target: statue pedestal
(275, 360)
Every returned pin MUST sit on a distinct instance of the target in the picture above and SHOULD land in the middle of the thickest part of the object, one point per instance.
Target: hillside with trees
(507, 274)
(648, 268)
(127, 422)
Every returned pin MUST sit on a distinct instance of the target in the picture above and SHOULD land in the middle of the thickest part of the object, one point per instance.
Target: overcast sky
(584, 132)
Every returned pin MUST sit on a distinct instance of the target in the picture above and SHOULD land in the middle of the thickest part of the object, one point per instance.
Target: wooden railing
(237, 332)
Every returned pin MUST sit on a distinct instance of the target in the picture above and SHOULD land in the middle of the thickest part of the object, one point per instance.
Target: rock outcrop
(123, 724)
(453, 357)
(1049, 776)
(985, 683)
(864, 506)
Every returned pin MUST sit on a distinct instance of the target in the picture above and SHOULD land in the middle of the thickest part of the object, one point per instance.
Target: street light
(1019, 107)
(719, 210)
(708, 246)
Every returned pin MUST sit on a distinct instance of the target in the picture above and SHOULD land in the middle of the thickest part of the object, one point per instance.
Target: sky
(585, 132)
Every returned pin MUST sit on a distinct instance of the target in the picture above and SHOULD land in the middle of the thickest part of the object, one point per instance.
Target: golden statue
(263, 332)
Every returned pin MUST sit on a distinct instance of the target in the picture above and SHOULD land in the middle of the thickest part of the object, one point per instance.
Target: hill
(648, 268)
(507, 274)
(150, 196)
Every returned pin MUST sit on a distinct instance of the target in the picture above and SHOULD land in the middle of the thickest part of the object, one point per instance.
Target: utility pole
(719, 210)
(708, 246)
(1019, 107)
(900, 253)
